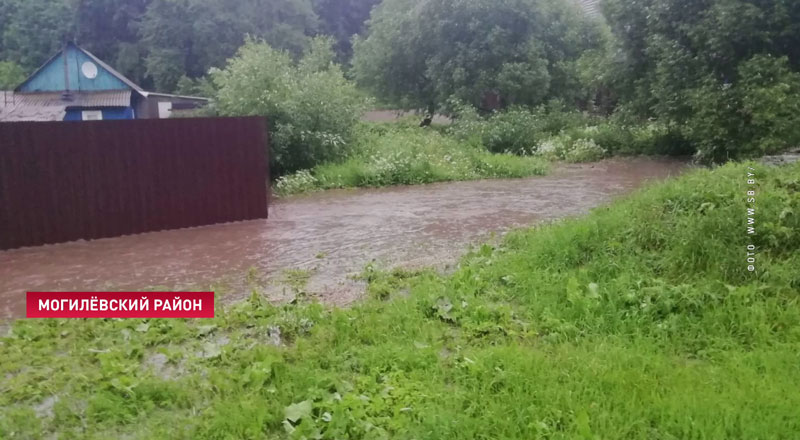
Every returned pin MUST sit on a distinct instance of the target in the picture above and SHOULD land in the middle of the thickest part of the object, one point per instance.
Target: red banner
(120, 304)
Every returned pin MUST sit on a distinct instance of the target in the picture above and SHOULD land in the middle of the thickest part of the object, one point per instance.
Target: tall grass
(397, 155)
(639, 321)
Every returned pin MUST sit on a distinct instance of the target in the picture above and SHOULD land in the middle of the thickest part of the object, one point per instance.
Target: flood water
(332, 234)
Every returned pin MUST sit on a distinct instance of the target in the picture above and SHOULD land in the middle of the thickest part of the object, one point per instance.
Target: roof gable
(65, 71)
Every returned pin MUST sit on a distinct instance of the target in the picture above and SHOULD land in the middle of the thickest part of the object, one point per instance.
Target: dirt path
(332, 234)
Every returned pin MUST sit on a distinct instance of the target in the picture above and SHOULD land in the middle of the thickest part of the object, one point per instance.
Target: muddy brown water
(332, 234)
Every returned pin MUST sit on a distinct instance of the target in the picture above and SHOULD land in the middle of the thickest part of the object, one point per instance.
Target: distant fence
(63, 181)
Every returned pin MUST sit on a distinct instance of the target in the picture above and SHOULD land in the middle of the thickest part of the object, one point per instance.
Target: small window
(92, 115)
(164, 109)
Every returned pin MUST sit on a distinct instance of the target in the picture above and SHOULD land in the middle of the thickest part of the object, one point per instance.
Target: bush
(584, 150)
(298, 182)
(394, 155)
(11, 75)
(564, 148)
(513, 131)
(758, 115)
(516, 130)
(312, 108)
(725, 71)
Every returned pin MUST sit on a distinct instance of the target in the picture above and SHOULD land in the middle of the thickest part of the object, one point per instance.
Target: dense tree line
(158, 42)
(720, 76)
(723, 72)
(487, 53)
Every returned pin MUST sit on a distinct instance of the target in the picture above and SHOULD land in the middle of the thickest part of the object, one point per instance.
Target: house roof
(11, 110)
(168, 95)
(111, 70)
(110, 98)
(91, 56)
(51, 106)
(58, 86)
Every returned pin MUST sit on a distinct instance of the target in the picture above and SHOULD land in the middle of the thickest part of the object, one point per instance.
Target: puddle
(332, 234)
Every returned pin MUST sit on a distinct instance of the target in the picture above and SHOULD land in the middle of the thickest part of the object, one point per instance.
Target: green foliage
(723, 69)
(619, 137)
(11, 75)
(187, 37)
(312, 109)
(514, 131)
(31, 31)
(760, 112)
(342, 19)
(570, 150)
(420, 54)
(639, 321)
(558, 134)
(156, 42)
(517, 130)
(397, 155)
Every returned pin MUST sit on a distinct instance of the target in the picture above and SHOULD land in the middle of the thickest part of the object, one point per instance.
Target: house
(75, 85)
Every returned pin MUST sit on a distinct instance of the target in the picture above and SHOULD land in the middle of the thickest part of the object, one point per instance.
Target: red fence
(62, 181)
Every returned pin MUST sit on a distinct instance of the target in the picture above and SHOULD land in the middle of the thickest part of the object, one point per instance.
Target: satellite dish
(89, 70)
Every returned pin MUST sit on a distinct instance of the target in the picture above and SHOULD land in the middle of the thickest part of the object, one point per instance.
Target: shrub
(610, 136)
(395, 155)
(312, 108)
(758, 115)
(584, 150)
(298, 182)
(513, 131)
(564, 148)
(516, 130)
(11, 75)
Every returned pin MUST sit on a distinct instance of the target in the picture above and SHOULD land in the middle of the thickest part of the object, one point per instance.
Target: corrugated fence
(63, 181)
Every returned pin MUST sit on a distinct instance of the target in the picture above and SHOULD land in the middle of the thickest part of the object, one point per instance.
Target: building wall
(109, 113)
(148, 108)
(51, 77)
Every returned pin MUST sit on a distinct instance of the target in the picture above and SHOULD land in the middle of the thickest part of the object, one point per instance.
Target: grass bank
(639, 321)
(510, 144)
(399, 154)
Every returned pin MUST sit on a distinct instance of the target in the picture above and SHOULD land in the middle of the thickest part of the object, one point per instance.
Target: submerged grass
(396, 155)
(639, 321)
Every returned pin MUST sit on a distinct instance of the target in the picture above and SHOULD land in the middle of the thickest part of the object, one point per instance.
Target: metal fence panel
(63, 181)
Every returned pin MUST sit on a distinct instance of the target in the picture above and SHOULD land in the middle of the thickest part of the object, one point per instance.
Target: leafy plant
(311, 108)
(421, 54)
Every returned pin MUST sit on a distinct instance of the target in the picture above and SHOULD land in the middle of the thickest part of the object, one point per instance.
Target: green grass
(393, 154)
(639, 321)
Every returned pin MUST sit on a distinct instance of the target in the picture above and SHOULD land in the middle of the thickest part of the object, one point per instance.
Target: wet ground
(331, 235)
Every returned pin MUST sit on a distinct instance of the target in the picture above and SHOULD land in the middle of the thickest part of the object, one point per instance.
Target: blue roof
(76, 69)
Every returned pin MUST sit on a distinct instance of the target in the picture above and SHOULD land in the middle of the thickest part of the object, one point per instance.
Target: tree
(11, 75)
(35, 30)
(32, 30)
(108, 28)
(153, 42)
(421, 54)
(711, 67)
(342, 19)
(312, 109)
(187, 37)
